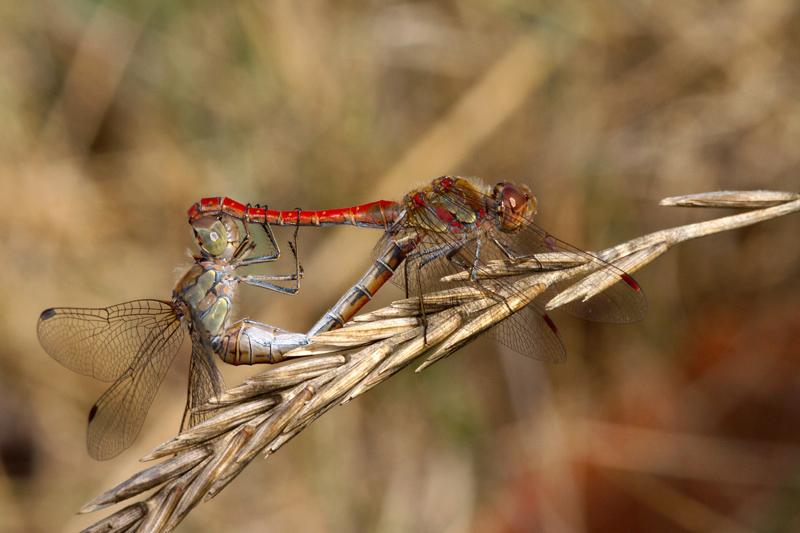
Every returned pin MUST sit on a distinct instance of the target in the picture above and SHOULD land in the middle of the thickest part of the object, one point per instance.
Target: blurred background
(117, 116)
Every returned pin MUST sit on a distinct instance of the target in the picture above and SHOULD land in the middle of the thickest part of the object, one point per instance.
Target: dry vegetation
(272, 407)
(117, 118)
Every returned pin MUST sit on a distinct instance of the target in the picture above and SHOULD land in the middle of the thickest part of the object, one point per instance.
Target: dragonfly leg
(243, 250)
(508, 252)
(548, 242)
(260, 259)
(263, 281)
(246, 245)
(244, 260)
(298, 268)
(277, 254)
(473, 269)
(250, 343)
(511, 254)
(424, 257)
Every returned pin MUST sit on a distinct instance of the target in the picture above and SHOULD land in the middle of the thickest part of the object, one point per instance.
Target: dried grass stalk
(270, 408)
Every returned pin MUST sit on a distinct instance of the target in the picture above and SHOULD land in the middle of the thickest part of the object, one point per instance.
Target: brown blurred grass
(116, 118)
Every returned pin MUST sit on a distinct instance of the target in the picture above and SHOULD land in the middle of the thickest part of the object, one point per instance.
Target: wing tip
(630, 281)
(92, 413)
(550, 323)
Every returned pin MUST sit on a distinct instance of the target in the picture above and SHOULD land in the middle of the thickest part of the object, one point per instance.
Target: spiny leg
(425, 257)
(263, 281)
(245, 247)
(262, 258)
(298, 268)
(473, 269)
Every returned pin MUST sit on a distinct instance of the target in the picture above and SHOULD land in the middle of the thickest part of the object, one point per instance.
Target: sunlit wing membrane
(117, 417)
(102, 343)
(205, 382)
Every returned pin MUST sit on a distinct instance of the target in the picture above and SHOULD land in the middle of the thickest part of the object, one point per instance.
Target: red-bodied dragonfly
(134, 343)
(455, 225)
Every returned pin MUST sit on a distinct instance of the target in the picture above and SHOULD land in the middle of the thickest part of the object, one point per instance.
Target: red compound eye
(514, 206)
(514, 199)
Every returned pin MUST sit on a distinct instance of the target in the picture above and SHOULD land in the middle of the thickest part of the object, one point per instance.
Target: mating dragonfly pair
(450, 226)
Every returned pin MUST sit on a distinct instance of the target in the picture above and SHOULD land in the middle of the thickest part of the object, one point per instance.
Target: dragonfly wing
(427, 264)
(622, 302)
(460, 242)
(530, 332)
(205, 382)
(618, 304)
(103, 343)
(117, 417)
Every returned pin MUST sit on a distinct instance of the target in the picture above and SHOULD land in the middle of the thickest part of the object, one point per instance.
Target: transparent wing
(530, 333)
(205, 382)
(117, 417)
(102, 343)
(621, 303)
(472, 245)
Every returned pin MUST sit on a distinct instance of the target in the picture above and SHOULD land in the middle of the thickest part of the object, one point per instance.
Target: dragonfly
(133, 344)
(455, 225)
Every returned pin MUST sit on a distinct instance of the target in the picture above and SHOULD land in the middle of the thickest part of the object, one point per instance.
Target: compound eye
(515, 205)
(211, 235)
(514, 199)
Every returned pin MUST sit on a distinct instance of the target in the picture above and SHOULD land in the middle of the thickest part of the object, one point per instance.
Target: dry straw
(270, 408)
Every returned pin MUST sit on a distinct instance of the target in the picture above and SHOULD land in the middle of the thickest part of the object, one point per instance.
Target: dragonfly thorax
(206, 289)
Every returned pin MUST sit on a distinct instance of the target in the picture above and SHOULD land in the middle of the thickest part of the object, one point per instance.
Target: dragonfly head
(218, 236)
(516, 205)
